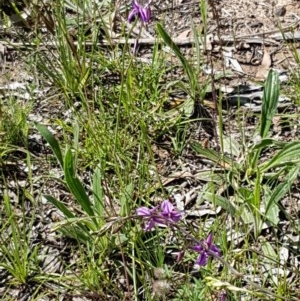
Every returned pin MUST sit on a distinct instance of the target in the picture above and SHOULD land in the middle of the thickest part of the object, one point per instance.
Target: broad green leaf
(270, 101)
(269, 106)
(271, 207)
(277, 194)
(268, 250)
(213, 282)
(216, 176)
(197, 45)
(60, 206)
(267, 142)
(98, 192)
(247, 200)
(231, 146)
(187, 107)
(75, 185)
(52, 142)
(214, 156)
(220, 201)
(289, 155)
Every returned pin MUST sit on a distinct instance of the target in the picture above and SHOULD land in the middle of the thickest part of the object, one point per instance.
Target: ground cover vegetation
(112, 189)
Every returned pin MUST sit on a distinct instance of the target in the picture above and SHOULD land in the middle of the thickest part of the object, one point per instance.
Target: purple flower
(167, 215)
(144, 13)
(223, 296)
(169, 212)
(148, 214)
(205, 247)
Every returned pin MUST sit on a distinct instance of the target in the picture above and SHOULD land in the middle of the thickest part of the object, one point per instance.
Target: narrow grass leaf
(78, 230)
(197, 45)
(52, 142)
(190, 72)
(76, 141)
(126, 199)
(255, 206)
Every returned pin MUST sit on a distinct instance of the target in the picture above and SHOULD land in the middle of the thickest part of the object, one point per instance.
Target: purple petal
(198, 248)
(148, 14)
(132, 15)
(136, 5)
(149, 225)
(209, 240)
(169, 212)
(143, 211)
(223, 296)
(216, 250)
(145, 13)
(202, 259)
(176, 216)
(167, 207)
(180, 255)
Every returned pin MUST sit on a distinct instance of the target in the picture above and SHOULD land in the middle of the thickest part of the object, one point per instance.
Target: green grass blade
(190, 72)
(72, 226)
(76, 142)
(52, 142)
(197, 45)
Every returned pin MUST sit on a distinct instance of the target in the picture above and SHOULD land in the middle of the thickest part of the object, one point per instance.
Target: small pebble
(280, 11)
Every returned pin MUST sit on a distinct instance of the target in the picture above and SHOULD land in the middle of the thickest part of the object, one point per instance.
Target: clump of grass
(13, 123)
(115, 106)
(17, 256)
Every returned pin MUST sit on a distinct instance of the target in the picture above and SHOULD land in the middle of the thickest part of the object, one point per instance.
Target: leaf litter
(249, 35)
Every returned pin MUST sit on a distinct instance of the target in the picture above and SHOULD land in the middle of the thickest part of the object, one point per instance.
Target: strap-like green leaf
(98, 192)
(289, 155)
(277, 194)
(214, 156)
(75, 185)
(190, 72)
(270, 101)
(52, 142)
(60, 206)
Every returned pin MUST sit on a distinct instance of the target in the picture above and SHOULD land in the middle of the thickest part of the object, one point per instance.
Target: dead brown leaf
(264, 68)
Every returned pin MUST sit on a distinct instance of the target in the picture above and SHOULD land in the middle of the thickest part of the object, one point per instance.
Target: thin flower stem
(237, 274)
(233, 270)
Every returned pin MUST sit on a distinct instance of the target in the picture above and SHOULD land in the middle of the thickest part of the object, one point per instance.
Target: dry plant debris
(243, 40)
